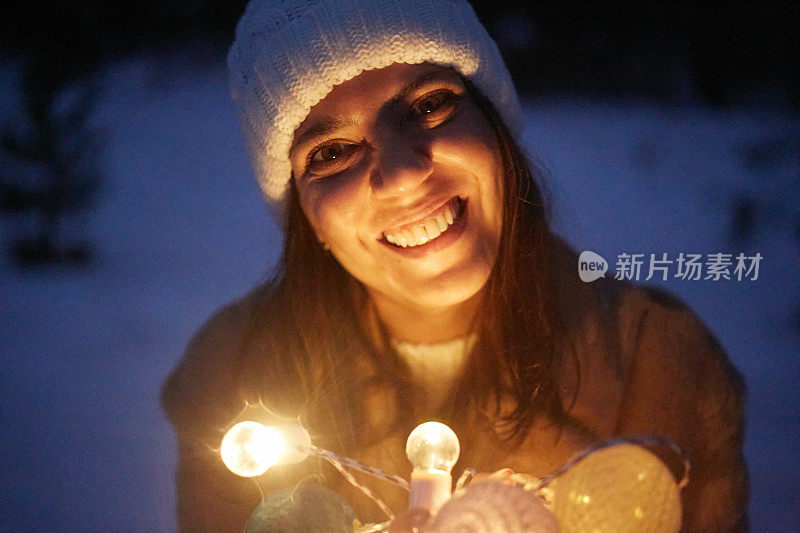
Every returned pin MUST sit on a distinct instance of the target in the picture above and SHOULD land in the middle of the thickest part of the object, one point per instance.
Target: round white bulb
(248, 449)
(433, 447)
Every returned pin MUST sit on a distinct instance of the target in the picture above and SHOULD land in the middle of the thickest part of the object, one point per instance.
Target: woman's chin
(452, 291)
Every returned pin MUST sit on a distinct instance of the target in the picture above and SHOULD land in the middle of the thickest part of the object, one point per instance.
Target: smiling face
(399, 173)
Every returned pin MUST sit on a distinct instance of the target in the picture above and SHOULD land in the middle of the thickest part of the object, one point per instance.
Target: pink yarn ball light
(492, 507)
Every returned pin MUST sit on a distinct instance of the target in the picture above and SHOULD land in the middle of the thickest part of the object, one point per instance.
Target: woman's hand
(504, 476)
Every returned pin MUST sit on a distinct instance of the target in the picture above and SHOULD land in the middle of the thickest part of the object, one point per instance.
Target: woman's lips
(427, 235)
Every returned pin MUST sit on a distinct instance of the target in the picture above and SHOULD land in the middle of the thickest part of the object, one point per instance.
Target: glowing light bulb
(433, 446)
(617, 489)
(249, 448)
(432, 449)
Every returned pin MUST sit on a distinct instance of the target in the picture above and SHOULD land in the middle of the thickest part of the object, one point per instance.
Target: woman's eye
(435, 106)
(329, 153)
(330, 157)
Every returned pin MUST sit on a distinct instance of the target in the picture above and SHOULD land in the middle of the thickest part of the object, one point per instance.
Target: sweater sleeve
(197, 400)
(202, 399)
(681, 385)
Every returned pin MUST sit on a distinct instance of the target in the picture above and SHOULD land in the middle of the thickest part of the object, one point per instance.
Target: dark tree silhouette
(771, 203)
(48, 168)
(49, 171)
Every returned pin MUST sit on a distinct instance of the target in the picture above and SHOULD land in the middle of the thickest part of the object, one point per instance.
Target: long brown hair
(515, 364)
(314, 313)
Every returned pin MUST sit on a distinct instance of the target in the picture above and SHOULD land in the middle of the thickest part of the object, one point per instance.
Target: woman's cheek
(332, 204)
(474, 129)
(468, 142)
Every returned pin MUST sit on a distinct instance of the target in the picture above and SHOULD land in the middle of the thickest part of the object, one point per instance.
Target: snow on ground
(181, 229)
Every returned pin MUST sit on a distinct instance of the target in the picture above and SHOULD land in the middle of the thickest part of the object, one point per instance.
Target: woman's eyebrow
(411, 88)
(325, 127)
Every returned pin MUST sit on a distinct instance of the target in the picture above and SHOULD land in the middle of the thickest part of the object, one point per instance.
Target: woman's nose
(403, 162)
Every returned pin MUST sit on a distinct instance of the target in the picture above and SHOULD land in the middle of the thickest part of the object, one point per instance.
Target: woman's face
(399, 173)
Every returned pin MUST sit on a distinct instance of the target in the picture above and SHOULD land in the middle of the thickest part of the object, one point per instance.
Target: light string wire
(349, 477)
(373, 528)
(352, 463)
(340, 462)
(640, 441)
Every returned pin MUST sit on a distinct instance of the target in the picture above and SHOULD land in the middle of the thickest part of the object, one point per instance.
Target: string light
(616, 485)
(433, 449)
(248, 449)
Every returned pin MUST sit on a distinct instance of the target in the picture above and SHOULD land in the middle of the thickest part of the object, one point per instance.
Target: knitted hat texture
(289, 54)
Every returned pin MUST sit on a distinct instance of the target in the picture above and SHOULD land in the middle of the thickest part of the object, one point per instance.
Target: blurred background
(129, 214)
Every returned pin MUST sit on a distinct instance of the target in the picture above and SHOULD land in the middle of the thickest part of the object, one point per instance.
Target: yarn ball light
(491, 507)
(306, 508)
(617, 489)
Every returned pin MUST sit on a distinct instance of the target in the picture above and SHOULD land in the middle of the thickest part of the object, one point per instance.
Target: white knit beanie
(288, 55)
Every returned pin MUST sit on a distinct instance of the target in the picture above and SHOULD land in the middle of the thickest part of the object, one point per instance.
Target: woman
(419, 280)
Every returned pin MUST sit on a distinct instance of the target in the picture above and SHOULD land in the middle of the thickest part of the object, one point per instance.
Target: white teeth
(419, 235)
(441, 221)
(432, 228)
(426, 231)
